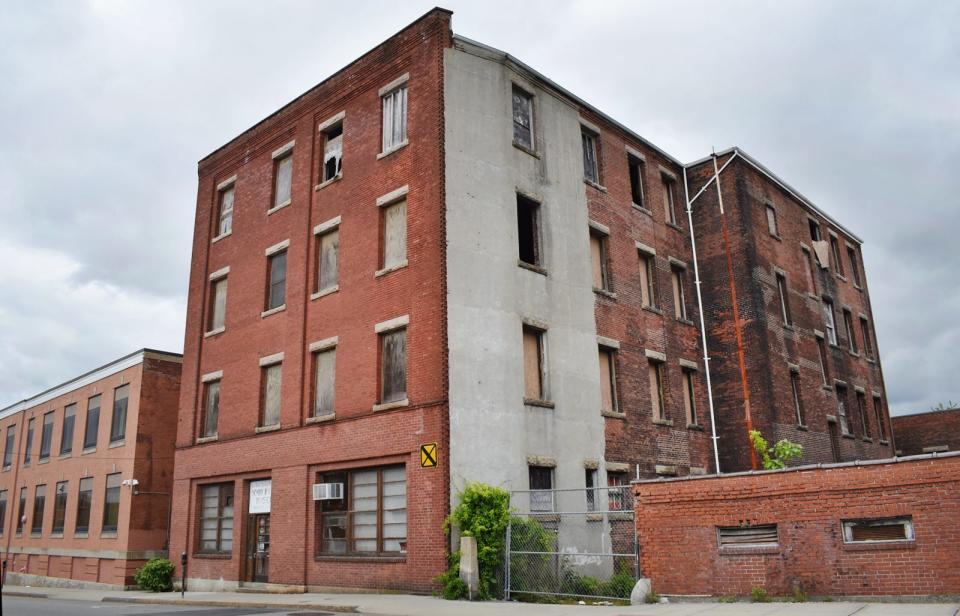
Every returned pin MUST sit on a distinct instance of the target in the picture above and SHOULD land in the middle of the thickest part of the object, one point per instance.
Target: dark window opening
(528, 231)
(636, 180)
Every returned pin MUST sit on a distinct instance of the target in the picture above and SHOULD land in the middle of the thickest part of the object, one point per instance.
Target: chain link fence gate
(578, 543)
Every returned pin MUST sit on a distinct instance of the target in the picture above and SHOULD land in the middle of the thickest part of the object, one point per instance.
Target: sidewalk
(415, 605)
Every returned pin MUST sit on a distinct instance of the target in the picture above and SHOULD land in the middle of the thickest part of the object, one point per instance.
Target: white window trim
(278, 247)
(324, 345)
(329, 225)
(227, 183)
(209, 377)
(392, 324)
(393, 196)
(283, 150)
(393, 85)
(270, 360)
(220, 273)
(593, 128)
(331, 122)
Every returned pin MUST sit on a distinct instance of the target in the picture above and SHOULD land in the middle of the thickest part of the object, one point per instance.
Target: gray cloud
(107, 107)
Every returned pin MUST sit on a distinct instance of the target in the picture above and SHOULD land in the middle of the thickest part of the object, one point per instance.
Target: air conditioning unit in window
(327, 491)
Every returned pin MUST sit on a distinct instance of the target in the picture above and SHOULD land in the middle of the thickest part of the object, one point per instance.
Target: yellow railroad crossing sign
(428, 455)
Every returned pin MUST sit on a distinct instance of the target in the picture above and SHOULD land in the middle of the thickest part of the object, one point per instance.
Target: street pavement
(33, 601)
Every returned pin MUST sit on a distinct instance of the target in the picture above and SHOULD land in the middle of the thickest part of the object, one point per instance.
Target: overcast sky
(106, 106)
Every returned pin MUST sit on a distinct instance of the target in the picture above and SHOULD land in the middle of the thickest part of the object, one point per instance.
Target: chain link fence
(579, 543)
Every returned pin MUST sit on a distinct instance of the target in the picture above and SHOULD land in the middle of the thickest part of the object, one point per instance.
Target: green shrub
(759, 595)
(621, 585)
(783, 451)
(156, 575)
(799, 596)
(652, 597)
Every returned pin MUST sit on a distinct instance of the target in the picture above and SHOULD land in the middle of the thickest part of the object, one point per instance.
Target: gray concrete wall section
(492, 432)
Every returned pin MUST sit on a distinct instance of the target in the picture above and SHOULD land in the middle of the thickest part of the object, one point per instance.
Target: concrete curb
(23, 593)
(351, 609)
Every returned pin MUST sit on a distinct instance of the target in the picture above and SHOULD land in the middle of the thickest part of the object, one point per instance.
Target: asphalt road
(24, 606)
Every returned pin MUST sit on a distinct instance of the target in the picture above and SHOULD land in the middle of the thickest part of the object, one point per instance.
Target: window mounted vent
(763, 535)
(327, 491)
(885, 529)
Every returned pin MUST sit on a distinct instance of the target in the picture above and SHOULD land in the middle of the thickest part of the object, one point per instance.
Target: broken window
(824, 367)
(689, 397)
(848, 325)
(329, 253)
(225, 216)
(276, 280)
(395, 119)
(835, 253)
(393, 362)
(93, 422)
(878, 529)
(541, 488)
(118, 421)
(270, 378)
(878, 413)
(325, 366)
(669, 198)
(636, 179)
(528, 230)
(829, 322)
(218, 304)
(394, 235)
(84, 505)
(608, 381)
(842, 409)
(211, 408)
(39, 501)
(591, 171)
(533, 372)
(854, 265)
(111, 503)
(655, 373)
(862, 413)
(522, 118)
(814, 230)
(759, 535)
(797, 403)
(811, 273)
(782, 291)
(282, 179)
(679, 296)
(332, 152)
(598, 258)
(590, 481)
(66, 433)
(772, 221)
(867, 338)
(216, 518)
(46, 435)
(648, 279)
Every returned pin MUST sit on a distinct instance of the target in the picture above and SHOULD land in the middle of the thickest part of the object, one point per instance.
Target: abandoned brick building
(927, 432)
(444, 267)
(85, 486)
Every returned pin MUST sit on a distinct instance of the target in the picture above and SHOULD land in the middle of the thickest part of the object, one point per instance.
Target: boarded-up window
(395, 119)
(782, 292)
(270, 403)
(541, 488)
(761, 535)
(591, 171)
(851, 335)
(882, 529)
(690, 397)
(225, 223)
(648, 279)
(277, 280)
(328, 276)
(393, 362)
(394, 235)
(679, 296)
(635, 166)
(326, 369)
(118, 422)
(608, 381)
(528, 230)
(772, 221)
(282, 179)
(211, 408)
(598, 259)
(216, 518)
(797, 403)
(533, 363)
(218, 304)
(669, 199)
(332, 152)
(854, 265)
(655, 374)
(522, 118)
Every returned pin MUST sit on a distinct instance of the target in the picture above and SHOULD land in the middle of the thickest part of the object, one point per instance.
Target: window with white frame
(394, 118)
(225, 210)
(878, 530)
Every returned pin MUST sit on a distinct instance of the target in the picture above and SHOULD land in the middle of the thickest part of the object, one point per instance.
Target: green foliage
(652, 597)
(483, 512)
(783, 451)
(759, 595)
(156, 575)
(728, 599)
(799, 596)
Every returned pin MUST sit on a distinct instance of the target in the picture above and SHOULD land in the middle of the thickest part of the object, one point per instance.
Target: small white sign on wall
(260, 496)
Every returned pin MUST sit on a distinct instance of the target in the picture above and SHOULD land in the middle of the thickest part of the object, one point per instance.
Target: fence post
(506, 564)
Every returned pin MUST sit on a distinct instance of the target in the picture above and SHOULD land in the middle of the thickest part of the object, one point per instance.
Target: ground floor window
(367, 516)
(216, 518)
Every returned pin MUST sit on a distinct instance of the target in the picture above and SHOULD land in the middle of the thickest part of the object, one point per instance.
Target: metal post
(506, 564)
(183, 574)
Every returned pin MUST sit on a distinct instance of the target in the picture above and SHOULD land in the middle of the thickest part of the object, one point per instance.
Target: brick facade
(677, 523)
(97, 556)
(927, 432)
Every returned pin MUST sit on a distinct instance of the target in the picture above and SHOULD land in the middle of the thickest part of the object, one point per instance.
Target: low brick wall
(677, 522)
(933, 431)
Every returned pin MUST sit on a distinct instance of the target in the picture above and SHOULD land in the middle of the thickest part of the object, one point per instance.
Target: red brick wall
(677, 521)
(933, 429)
(358, 436)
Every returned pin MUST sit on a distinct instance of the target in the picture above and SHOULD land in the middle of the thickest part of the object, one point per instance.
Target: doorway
(258, 547)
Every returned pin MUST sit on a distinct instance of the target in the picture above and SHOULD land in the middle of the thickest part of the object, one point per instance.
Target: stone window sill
(207, 439)
(854, 353)
(267, 313)
(841, 276)
(531, 267)
(279, 207)
(116, 444)
(108, 534)
(396, 404)
(867, 439)
(43, 461)
(675, 226)
(321, 418)
(884, 442)
(326, 183)
(88, 450)
(214, 332)
(325, 292)
(261, 429)
(599, 187)
(526, 149)
(813, 296)
(56, 535)
(546, 404)
(393, 149)
(663, 422)
(81, 535)
(605, 293)
(613, 414)
(221, 236)
(653, 309)
(880, 545)
(383, 272)
(63, 456)
(642, 210)
(696, 427)
(686, 322)
(223, 556)
(802, 428)
(849, 436)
